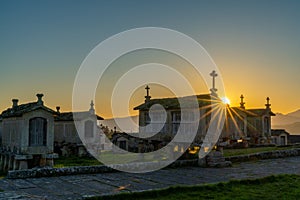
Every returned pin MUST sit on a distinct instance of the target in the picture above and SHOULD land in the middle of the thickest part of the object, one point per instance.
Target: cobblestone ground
(81, 186)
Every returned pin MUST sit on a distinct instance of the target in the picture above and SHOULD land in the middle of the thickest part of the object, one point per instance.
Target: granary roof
(69, 116)
(18, 111)
(277, 132)
(173, 103)
(259, 112)
(252, 112)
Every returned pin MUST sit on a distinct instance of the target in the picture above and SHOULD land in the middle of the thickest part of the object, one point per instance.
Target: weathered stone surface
(23, 157)
(265, 155)
(81, 186)
(216, 159)
(48, 172)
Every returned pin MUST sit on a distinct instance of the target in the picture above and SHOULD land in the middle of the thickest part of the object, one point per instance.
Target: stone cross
(214, 75)
(147, 88)
(242, 102)
(92, 104)
(92, 110)
(147, 97)
(268, 105)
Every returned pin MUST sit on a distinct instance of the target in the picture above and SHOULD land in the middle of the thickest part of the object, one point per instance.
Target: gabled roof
(259, 112)
(19, 110)
(277, 132)
(173, 103)
(238, 110)
(69, 116)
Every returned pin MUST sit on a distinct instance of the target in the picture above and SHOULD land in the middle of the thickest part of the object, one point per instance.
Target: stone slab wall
(49, 172)
(265, 155)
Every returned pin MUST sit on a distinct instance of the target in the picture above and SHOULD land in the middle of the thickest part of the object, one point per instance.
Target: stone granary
(28, 133)
(248, 125)
(241, 125)
(66, 139)
(280, 136)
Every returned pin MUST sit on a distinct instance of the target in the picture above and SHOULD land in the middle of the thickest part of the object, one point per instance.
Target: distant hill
(281, 119)
(111, 123)
(290, 122)
(290, 128)
(295, 114)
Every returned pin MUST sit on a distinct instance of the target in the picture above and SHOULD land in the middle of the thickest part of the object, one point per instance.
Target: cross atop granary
(147, 97)
(268, 105)
(92, 110)
(213, 90)
(242, 103)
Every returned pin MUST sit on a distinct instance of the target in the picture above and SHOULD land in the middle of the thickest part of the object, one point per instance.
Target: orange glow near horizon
(254, 88)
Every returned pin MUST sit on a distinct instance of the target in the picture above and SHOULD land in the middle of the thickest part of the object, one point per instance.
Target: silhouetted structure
(28, 133)
(241, 125)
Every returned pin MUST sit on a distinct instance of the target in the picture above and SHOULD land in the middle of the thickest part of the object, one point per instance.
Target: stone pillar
(16, 164)
(23, 164)
(42, 161)
(49, 159)
(141, 151)
(23, 161)
(5, 164)
(1, 162)
(170, 152)
(10, 162)
(81, 151)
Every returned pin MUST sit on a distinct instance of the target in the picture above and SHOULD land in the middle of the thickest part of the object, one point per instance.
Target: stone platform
(81, 186)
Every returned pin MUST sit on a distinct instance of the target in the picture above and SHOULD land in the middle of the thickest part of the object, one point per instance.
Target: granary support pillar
(23, 161)
(1, 162)
(10, 161)
(49, 159)
(15, 164)
(5, 163)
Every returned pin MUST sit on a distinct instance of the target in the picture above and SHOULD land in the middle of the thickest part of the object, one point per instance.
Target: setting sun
(225, 100)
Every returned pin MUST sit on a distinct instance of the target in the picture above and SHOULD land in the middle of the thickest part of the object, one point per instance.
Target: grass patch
(112, 158)
(237, 152)
(75, 161)
(109, 157)
(269, 188)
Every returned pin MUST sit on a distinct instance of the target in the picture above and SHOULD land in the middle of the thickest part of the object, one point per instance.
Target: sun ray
(209, 112)
(236, 113)
(215, 114)
(234, 121)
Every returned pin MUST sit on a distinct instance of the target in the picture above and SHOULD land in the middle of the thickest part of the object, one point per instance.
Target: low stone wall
(214, 159)
(265, 155)
(49, 172)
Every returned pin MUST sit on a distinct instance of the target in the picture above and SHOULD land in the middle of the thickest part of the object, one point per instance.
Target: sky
(255, 44)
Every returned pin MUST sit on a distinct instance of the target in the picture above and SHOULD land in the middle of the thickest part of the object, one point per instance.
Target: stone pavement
(81, 186)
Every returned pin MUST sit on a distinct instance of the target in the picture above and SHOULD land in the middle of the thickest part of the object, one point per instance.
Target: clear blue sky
(255, 44)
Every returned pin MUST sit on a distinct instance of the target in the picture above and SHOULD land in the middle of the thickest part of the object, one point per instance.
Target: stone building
(241, 124)
(251, 125)
(66, 138)
(280, 136)
(30, 133)
(173, 119)
(27, 132)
